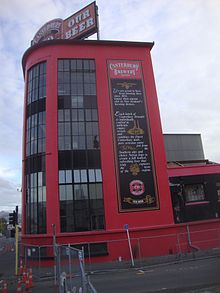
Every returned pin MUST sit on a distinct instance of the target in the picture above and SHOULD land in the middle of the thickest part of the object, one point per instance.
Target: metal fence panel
(70, 265)
(69, 268)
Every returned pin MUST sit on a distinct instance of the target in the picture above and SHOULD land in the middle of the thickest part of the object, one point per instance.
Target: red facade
(155, 222)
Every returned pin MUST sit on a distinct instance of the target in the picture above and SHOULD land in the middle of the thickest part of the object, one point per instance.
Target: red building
(94, 157)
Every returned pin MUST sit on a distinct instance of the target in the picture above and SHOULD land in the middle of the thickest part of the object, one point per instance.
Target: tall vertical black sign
(136, 180)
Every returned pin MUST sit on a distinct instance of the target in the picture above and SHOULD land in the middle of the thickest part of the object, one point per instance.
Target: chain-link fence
(39, 258)
(70, 269)
(70, 265)
(63, 264)
(151, 249)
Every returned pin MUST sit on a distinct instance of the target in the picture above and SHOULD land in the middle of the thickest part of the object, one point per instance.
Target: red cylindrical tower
(93, 154)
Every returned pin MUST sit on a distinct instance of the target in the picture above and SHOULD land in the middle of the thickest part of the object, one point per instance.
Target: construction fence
(70, 265)
(63, 264)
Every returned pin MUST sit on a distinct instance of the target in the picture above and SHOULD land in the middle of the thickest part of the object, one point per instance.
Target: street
(179, 277)
(7, 257)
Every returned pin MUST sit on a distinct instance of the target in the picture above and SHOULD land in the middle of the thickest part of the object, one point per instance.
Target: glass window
(66, 65)
(44, 194)
(76, 176)
(74, 115)
(75, 143)
(67, 128)
(69, 192)
(89, 140)
(81, 128)
(98, 175)
(40, 179)
(81, 200)
(89, 128)
(86, 64)
(91, 175)
(73, 65)
(80, 115)
(194, 192)
(36, 82)
(79, 64)
(81, 142)
(80, 192)
(218, 189)
(62, 176)
(94, 115)
(60, 115)
(67, 115)
(68, 176)
(62, 192)
(83, 176)
(88, 114)
(92, 191)
(99, 193)
(61, 129)
(35, 201)
(74, 102)
(67, 140)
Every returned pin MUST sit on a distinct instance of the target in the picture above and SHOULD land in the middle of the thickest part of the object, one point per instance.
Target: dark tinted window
(35, 150)
(80, 179)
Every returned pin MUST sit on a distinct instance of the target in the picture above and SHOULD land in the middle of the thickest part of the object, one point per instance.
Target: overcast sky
(186, 60)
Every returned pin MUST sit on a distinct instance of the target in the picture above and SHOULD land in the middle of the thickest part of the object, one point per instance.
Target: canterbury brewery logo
(136, 187)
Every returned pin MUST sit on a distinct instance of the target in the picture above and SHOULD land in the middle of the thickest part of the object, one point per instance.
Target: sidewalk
(151, 261)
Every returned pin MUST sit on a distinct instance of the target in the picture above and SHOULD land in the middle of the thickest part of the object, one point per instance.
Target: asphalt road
(180, 277)
(7, 257)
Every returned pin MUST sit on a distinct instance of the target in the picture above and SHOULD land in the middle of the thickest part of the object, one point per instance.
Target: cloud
(186, 61)
(9, 195)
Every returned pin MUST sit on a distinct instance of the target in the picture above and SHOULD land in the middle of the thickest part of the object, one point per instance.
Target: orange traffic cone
(30, 276)
(27, 285)
(21, 268)
(5, 287)
(19, 289)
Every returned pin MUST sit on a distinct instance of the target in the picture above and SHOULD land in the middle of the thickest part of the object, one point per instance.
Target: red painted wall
(147, 225)
(101, 53)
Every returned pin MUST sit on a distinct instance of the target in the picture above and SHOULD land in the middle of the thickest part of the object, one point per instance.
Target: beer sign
(135, 170)
(80, 25)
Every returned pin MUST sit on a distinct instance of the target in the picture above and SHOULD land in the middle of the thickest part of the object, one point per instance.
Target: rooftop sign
(78, 26)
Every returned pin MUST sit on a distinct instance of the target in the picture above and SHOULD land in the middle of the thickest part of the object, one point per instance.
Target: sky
(186, 62)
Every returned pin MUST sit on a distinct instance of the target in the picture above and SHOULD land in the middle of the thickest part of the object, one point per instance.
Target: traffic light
(16, 215)
(12, 218)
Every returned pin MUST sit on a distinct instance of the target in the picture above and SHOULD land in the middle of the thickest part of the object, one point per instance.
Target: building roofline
(84, 42)
(179, 171)
(185, 133)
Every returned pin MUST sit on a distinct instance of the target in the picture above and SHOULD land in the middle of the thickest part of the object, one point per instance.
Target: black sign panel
(137, 188)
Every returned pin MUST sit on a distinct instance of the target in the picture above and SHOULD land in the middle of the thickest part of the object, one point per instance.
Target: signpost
(16, 249)
(10, 227)
(129, 244)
